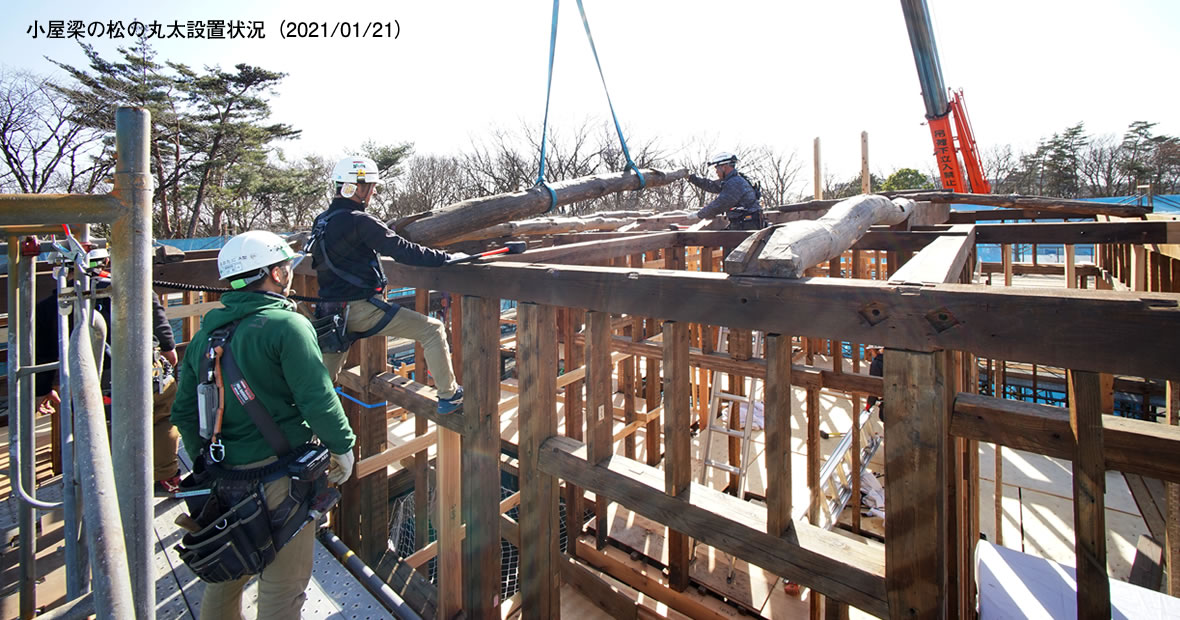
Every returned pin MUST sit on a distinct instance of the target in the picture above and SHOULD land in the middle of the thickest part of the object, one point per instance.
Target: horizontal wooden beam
(919, 318)
(416, 398)
(992, 215)
(588, 252)
(1073, 233)
(1043, 269)
(830, 563)
(378, 462)
(1042, 203)
(942, 260)
(1132, 446)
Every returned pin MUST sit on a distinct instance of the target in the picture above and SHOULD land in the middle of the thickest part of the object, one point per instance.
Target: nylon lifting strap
(548, 90)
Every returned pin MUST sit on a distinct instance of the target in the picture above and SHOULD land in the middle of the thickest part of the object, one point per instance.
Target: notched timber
(416, 398)
(1131, 446)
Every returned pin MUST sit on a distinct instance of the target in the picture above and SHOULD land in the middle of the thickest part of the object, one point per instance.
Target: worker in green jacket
(278, 354)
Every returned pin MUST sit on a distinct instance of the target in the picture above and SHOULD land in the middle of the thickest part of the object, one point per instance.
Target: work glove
(340, 469)
(457, 257)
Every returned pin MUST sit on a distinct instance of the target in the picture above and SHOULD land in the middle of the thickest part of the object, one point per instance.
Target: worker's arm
(388, 243)
(162, 330)
(730, 196)
(184, 408)
(311, 388)
(709, 185)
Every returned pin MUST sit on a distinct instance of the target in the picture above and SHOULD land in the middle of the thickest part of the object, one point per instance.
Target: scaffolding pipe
(131, 381)
(20, 417)
(100, 508)
(367, 578)
(75, 569)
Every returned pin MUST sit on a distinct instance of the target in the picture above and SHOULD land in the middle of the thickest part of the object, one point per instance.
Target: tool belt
(331, 324)
(236, 532)
(740, 219)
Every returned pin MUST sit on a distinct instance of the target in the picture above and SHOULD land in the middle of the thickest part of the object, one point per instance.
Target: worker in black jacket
(346, 245)
(737, 199)
(164, 436)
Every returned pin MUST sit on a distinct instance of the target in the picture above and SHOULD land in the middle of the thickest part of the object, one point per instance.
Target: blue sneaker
(452, 404)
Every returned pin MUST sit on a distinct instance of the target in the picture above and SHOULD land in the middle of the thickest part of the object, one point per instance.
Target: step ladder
(836, 474)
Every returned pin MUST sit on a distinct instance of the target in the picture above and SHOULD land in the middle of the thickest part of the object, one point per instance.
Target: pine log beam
(546, 226)
(452, 222)
(787, 250)
(1043, 204)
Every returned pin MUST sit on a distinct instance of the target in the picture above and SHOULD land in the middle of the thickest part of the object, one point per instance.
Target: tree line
(219, 166)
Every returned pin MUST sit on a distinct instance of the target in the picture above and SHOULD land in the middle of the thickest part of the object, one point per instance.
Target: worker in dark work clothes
(346, 245)
(737, 199)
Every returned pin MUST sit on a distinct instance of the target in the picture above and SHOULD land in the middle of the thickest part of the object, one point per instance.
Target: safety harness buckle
(216, 450)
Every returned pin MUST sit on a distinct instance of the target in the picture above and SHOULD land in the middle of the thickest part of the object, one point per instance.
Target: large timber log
(453, 222)
(546, 226)
(787, 250)
(1063, 206)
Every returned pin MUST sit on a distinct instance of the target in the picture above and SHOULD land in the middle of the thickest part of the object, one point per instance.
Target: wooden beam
(590, 252)
(1041, 203)
(604, 596)
(481, 456)
(860, 310)
(1089, 491)
(574, 422)
(1070, 233)
(536, 361)
(599, 406)
(449, 523)
(778, 399)
(421, 459)
(831, 563)
(915, 484)
(677, 441)
(941, 261)
(416, 398)
(364, 506)
(1172, 539)
(1131, 446)
(445, 224)
(379, 462)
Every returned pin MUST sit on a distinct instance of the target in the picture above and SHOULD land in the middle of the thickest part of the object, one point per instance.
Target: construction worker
(737, 199)
(275, 352)
(164, 437)
(346, 245)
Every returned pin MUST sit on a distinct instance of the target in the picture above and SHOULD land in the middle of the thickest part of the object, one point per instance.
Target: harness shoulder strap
(316, 241)
(235, 382)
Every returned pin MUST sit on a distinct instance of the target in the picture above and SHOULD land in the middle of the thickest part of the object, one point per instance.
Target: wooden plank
(1070, 233)
(815, 493)
(410, 584)
(1172, 543)
(1147, 570)
(379, 462)
(481, 456)
(915, 484)
(599, 405)
(677, 441)
(899, 317)
(652, 398)
(1145, 501)
(364, 506)
(590, 252)
(831, 563)
(421, 459)
(574, 422)
(1006, 258)
(941, 261)
(1071, 268)
(416, 398)
(1041, 203)
(777, 407)
(1089, 490)
(536, 361)
(605, 596)
(449, 523)
(1134, 446)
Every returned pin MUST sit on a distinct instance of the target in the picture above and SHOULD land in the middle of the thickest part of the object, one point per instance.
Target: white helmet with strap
(724, 157)
(356, 169)
(245, 257)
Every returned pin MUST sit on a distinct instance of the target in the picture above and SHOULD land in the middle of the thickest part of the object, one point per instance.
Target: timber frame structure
(918, 303)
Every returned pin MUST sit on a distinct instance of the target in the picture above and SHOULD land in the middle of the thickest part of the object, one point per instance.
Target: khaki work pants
(165, 439)
(427, 331)
(282, 585)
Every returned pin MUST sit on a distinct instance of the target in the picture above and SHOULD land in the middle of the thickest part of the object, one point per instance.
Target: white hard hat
(247, 253)
(724, 157)
(356, 169)
(97, 256)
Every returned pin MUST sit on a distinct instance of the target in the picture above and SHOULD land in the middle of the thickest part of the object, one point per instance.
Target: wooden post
(421, 459)
(537, 419)
(915, 483)
(1173, 524)
(818, 173)
(1071, 269)
(1089, 489)
(599, 406)
(1138, 268)
(677, 441)
(652, 432)
(1006, 261)
(866, 179)
(364, 505)
(574, 423)
(813, 455)
(449, 524)
(777, 411)
(740, 348)
(481, 456)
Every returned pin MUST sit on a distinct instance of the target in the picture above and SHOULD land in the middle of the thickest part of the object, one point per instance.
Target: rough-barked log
(452, 222)
(546, 226)
(786, 250)
(1015, 201)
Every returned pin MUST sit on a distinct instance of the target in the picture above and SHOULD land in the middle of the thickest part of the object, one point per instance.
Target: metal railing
(112, 478)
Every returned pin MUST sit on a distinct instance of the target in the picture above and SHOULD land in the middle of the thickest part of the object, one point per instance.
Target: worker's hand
(169, 356)
(700, 215)
(457, 256)
(49, 404)
(340, 470)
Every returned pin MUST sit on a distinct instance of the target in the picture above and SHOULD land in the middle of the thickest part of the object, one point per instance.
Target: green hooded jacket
(277, 351)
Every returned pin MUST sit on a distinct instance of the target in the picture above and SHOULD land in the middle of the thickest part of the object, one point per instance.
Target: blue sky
(719, 74)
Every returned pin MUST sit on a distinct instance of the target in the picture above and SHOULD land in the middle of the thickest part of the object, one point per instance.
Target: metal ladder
(716, 397)
(835, 477)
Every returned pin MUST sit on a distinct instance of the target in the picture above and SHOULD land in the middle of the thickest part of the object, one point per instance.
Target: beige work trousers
(282, 585)
(165, 439)
(427, 331)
